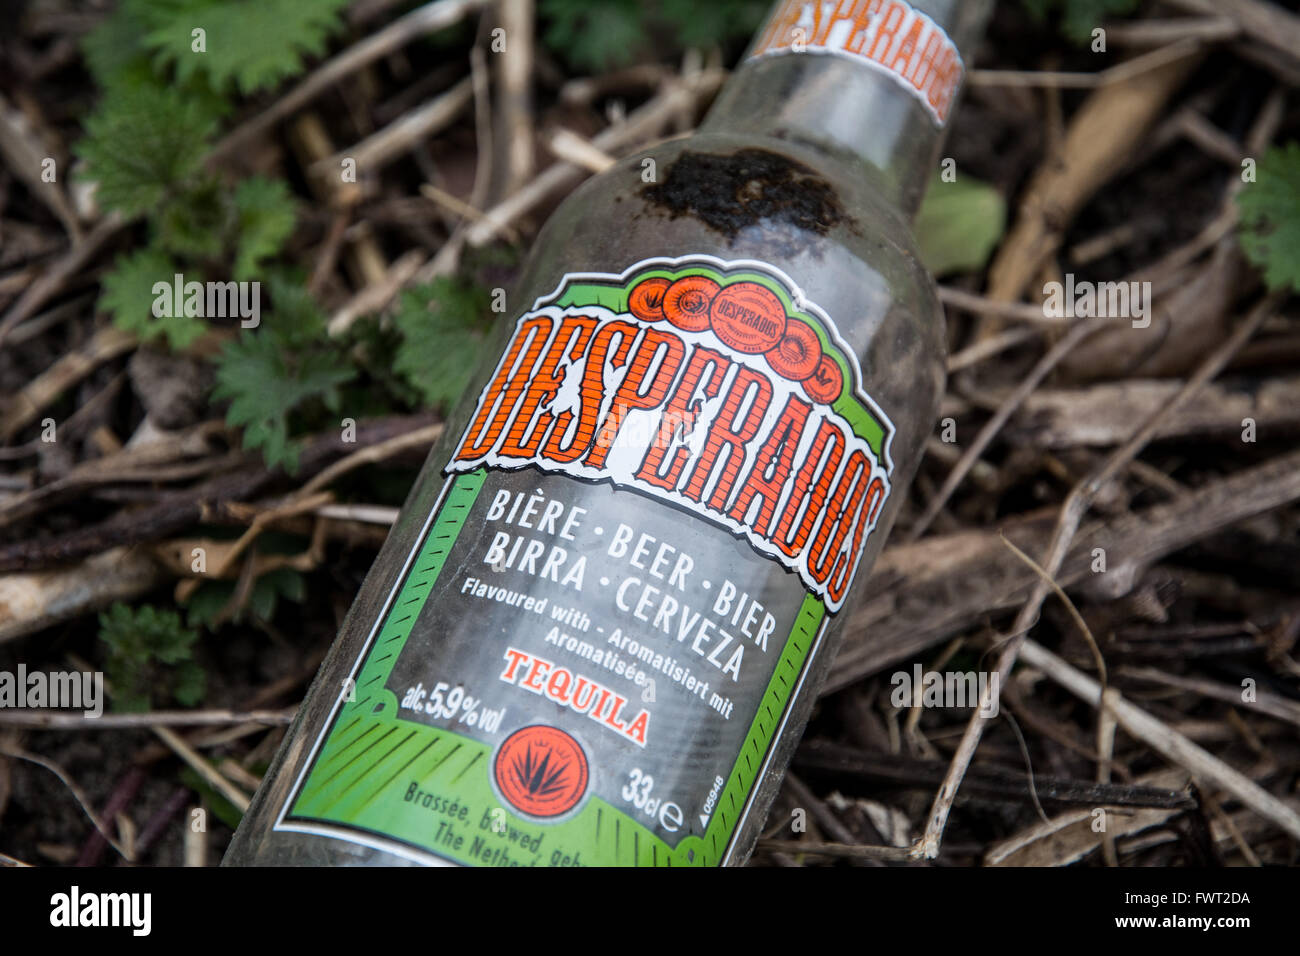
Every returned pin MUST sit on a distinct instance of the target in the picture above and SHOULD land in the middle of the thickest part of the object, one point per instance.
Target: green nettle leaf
(207, 601)
(1078, 18)
(598, 34)
(285, 365)
(266, 219)
(273, 585)
(1270, 217)
(443, 327)
(212, 597)
(142, 143)
(129, 297)
(704, 24)
(121, 62)
(113, 50)
(198, 221)
(150, 654)
(190, 685)
(250, 44)
(222, 808)
(594, 36)
(959, 225)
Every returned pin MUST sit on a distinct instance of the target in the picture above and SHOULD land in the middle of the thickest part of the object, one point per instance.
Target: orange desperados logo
(541, 771)
(712, 386)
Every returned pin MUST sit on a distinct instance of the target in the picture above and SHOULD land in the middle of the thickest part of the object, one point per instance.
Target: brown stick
(21, 409)
(1101, 136)
(53, 279)
(401, 135)
(514, 131)
(924, 593)
(178, 510)
(850, 851)
(1072, 511)
(1265, 22)
(1169, 743)
(1103, 415)
(640, 123)
(204, 769)
(986, 435)
(31, 602)
(63, 720)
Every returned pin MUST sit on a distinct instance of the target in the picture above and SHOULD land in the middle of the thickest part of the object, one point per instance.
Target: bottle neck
(868, 82)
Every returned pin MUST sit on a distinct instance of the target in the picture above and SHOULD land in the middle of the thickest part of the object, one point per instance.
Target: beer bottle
(598, 627)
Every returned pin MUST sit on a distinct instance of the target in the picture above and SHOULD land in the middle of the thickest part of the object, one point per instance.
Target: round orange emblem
(798, 353)
(686, 302)
(541, 771)
(748, 317)
(646, 301)
(826, 381)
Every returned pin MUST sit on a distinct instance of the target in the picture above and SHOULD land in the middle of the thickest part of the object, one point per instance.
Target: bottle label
(659, 502)
(887, 35)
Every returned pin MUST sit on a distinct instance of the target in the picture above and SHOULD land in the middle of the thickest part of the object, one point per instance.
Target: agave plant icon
(538, 776)
(542, 771)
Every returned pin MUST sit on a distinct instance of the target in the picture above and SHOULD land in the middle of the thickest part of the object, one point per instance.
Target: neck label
(887, 35)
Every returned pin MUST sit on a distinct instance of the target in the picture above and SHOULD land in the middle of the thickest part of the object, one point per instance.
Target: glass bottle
(600, 622)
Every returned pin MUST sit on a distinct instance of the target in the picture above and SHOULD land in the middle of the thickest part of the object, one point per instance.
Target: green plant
(207, 607)
(146, 142)
(287, 364)
(150, 658)
(1078, 18)
(222, 808)
(127, 295)
(1270, 217)
(443, 325)
(959, 224)
(210, 599)
(248, 44)
(597, 34)
(265, 212)
(146, 146)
